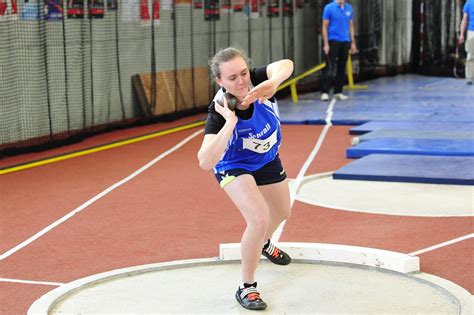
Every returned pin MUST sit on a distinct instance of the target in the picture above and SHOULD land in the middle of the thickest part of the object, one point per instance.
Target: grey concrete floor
(299, 288)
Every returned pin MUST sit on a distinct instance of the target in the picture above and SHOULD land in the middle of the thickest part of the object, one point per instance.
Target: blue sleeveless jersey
(255, 141)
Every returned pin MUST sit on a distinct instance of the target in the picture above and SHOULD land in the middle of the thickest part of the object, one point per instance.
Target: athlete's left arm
(277, 72)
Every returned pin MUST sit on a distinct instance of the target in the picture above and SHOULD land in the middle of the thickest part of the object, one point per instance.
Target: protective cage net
(72, 68)
(435, 41)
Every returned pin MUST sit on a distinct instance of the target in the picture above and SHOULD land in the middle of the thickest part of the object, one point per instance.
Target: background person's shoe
(249, 298)
(470, 82)
(324, 97)
(341, 96)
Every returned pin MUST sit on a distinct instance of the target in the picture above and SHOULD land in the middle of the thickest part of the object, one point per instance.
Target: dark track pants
(335, 66)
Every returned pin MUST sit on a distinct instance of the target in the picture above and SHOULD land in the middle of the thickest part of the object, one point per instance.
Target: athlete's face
(235, 77)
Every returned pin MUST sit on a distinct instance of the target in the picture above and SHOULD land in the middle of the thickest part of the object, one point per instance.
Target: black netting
(71, 68)
(436, 31)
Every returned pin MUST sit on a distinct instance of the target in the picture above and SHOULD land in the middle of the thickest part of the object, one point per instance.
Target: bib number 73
(260, 145)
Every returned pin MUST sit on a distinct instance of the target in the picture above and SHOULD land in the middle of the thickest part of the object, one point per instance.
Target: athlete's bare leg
(277, 197)
(245, 194)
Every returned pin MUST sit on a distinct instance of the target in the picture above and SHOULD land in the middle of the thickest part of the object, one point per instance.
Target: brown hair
(225, 55)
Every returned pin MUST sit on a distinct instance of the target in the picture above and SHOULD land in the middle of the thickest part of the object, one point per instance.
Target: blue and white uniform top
(256, 137)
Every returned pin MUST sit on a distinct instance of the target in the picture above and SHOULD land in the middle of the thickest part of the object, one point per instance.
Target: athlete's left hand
(261, 92)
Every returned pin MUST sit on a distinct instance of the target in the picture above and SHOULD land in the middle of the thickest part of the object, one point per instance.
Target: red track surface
(175, 211)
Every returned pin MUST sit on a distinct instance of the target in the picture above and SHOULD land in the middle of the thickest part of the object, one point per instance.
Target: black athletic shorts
(270, 173)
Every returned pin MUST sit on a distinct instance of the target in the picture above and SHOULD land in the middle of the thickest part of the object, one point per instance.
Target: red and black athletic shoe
(249, 298)
(276, 255)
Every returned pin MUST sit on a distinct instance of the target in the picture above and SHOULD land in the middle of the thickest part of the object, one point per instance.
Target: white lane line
(31, 282)
(98, 196)
(312, 155)
(434, 247)
(299, 178)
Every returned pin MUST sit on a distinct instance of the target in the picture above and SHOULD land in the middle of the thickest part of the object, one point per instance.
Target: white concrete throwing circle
(209, 287)
(410, 199)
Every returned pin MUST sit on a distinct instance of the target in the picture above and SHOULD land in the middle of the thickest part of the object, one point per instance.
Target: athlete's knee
(259, 223)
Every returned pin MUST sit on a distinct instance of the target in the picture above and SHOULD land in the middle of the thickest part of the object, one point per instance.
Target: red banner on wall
(211, 10)
(8, 9)
(198, 4)
(273, 8)
(149, 8)
(238, 5)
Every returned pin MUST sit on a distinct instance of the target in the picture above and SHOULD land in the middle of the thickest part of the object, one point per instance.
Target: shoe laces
(272, 250)
(276, 252)
(250, 293)
(253, 296)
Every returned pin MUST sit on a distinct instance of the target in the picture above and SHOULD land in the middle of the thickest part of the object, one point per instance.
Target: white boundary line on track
(434, 247)
(98, 196)
(299, 178)
(57, 284)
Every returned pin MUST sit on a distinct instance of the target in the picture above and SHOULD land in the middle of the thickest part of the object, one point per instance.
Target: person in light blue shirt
(468, 23)
(338, 36)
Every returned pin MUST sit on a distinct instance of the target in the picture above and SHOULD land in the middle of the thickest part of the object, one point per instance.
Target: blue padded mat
(410, 168)
(440, 147)
(306, 112)
(412, 125)
(416, 134)
(400, 98)
(359, 110)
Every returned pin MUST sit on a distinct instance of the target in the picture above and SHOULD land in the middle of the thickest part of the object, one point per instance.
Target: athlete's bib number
(260, 145)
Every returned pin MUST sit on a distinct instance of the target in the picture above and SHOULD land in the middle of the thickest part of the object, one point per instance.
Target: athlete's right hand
(461, 39)
(224, 111)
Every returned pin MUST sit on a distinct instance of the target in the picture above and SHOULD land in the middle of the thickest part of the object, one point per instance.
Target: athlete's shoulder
(215, 121)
